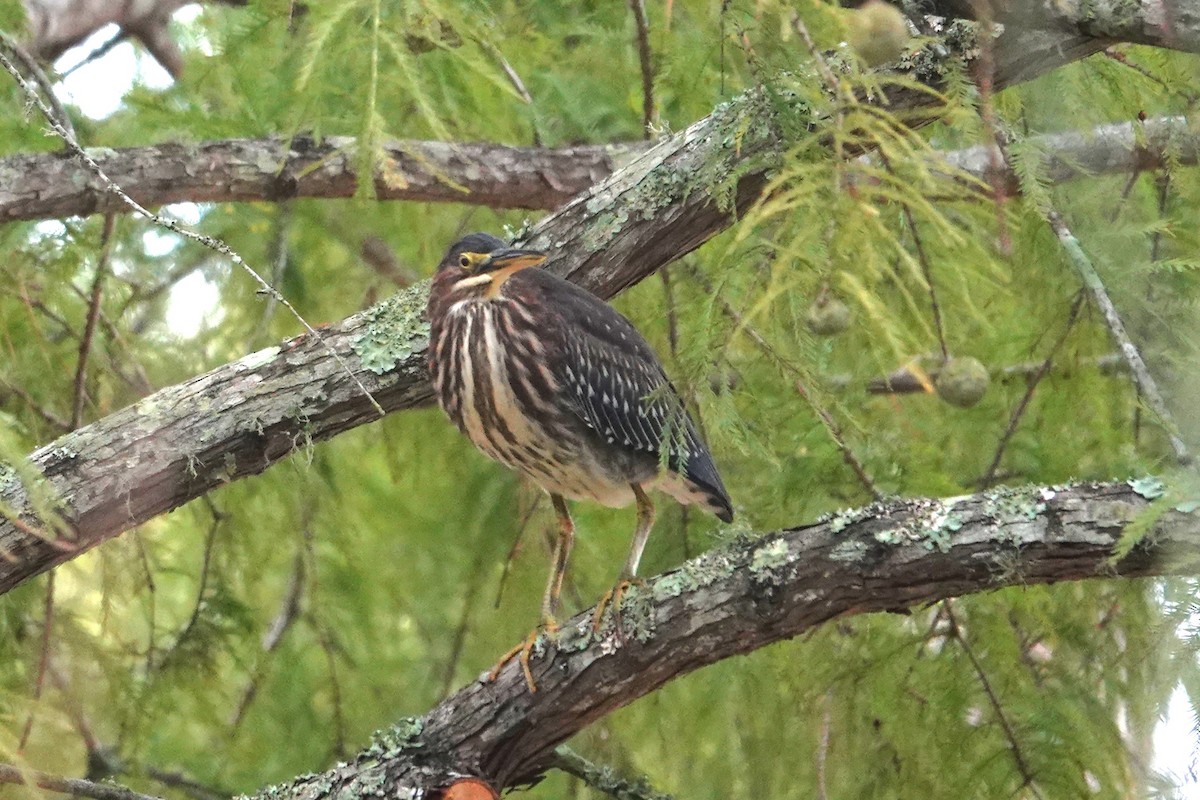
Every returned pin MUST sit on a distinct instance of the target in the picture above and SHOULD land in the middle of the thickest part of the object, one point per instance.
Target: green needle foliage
(268, 628)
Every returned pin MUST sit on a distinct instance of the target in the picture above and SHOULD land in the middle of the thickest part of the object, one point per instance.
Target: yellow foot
(613, 598)
(523, 652)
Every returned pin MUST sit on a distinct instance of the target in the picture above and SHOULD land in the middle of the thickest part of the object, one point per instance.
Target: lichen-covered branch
(46, 185)
(76, 787)
(890, 556)
(1113, 149)
(239, 419)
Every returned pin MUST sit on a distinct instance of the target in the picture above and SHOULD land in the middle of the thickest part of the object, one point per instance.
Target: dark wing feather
(621, 392)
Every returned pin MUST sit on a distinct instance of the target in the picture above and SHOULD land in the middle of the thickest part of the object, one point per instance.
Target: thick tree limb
(1118, 148)
(49, 185)
(887, 557)
(240, 418)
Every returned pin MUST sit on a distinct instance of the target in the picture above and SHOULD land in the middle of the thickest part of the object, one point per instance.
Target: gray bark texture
(50, 185)
(892, 556)
(239, 419)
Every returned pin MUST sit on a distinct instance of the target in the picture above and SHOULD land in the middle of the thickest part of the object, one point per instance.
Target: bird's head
(477, 264)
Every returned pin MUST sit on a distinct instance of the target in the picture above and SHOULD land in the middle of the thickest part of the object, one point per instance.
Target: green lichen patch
(393, 330)
(1023, 503)
(930, 524)
(400, 736)
(571, 638)
(9, 479)
(703, 571)
(258, 359)
(846, 517)
(769, 556)
(637, 613)
(958, 44)
(849, 550)
(1148, 487)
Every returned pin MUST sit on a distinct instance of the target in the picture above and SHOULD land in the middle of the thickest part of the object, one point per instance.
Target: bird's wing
(619, 389)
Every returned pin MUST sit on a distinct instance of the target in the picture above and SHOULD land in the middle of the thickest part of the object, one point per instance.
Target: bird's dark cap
(474, 243)
(489, 253)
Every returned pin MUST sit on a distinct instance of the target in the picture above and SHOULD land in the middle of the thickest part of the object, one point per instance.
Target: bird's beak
(512, 259)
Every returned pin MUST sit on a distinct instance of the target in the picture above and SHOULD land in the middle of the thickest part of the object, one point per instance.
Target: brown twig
(89, 328)
(324, 637)
(46, 414)
(279, 264)
(1163, 188)
(151, 602)
(985, 67)
(522, 524)
(177, 780)
(602, 778)
(1010, 735)
(824, 417)
(74, 707)
(72, 786)
(1121, 58)
(990, 475)
(43, 661)
(210, 539)
(926, 268)
(289, 610)
(1126, 190)
(646, 59)
(514, 78)
(835, 88)
(907, 381)
(376, 253)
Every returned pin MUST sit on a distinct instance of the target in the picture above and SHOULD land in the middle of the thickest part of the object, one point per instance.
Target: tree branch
(46, 185)
(72, 786)
(1146, 385)
(239, 419)
(1114, 149)
(887, 557)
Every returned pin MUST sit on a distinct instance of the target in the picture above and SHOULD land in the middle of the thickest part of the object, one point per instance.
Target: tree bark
(890, 556)
(237, 420)
(48, 185)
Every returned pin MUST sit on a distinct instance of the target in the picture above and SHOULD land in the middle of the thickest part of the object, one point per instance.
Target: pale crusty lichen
(393, 330)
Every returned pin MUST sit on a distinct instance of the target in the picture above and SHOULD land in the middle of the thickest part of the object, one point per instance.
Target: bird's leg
(562, 554)
(558, 568)
(645, 517)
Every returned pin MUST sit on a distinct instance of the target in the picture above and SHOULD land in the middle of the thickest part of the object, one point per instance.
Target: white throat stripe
(474, 280)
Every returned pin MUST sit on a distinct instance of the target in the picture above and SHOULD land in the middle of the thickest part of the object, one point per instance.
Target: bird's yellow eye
(464, 262)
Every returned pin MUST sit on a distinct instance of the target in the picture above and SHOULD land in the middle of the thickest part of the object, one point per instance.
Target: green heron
(551, 381)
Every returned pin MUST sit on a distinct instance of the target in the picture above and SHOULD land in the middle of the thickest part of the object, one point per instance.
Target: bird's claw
(523, 652)
(613, 598)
